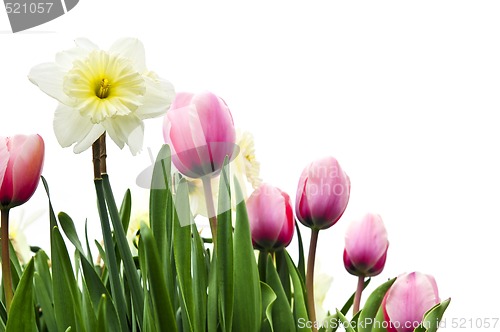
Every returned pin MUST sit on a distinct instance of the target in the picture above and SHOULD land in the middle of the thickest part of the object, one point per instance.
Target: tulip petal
(49, 78)
(4, 158)
(27, 154)
(126, 130)
(409, 298)
(366, 242)
(133, 49)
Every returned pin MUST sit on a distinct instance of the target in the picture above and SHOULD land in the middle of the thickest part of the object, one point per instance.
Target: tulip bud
(322, 194)
(21, 162)
(366, 246)
(271, 218)
(408, 299)
(200, 131)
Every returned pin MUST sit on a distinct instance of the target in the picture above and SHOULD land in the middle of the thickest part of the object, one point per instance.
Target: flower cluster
(156, 271)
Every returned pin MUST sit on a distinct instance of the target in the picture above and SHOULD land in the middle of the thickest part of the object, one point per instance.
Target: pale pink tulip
(271, 218)
(21, 162)
(322, 194)
(366, 246)
(200, 131)
(408, 299)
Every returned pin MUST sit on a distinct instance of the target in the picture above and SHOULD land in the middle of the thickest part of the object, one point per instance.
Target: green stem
(6, 273)
(357, 297)
(209, 200)
(310, 278)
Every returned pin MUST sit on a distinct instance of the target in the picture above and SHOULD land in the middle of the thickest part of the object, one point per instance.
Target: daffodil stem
(102, 153)
(96, 159)
(207, 188)
(310, 278)
(6, 273)
(357, 296)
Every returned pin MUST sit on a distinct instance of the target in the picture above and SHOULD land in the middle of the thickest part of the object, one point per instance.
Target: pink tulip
(200, 131)
(271, 218)
(366, 246)
(408, 299)
(21, 162)
(322, 194)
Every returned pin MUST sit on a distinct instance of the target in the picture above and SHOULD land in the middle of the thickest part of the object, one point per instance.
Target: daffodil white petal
(86, 44)
(133, 49)
(94, 133)
(66, 58)
(158, 97)
(69, 126)
(126, 130)
(49, 78)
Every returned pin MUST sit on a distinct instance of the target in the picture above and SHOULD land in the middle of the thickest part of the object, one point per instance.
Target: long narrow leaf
(22, 315)
(247, 288)
(159, 293)
(128, 262)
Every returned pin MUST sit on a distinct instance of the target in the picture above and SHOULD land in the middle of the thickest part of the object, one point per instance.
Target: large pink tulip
(271, 218)
(408, 299)
(322, 194)
(366, 246)
(21, 162)
(200, 131)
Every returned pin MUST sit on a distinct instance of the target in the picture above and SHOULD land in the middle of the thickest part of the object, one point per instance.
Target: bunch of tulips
(241, 278)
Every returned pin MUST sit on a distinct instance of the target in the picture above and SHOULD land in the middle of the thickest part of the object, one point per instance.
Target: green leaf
(247, 287)
(224, 248)
(22, 314)
(345, 322)
(125, 209)
(300, 309)
(372, 306)
(213, 296)
(88, 309)
(283, 273)
(102, 325)
(182, 253)
(268, 299)
(200, 280)
(282, 313)
(109, 256)
(67, 296)
(161, 212)
(432, 317)
(124, 249)
(69, 229)
(302, 265)
(157, 284)
(44, 298)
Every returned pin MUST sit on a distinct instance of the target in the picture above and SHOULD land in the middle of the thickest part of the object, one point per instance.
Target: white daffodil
(133, 230)
(102, 91)
(17, 228)
(244, 167)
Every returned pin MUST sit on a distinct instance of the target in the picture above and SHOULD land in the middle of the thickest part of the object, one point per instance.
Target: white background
(404, 94)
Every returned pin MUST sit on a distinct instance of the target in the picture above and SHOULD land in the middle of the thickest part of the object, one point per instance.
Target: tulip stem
(209, 200)
(357, 297)
(310, 278)
(6, 273)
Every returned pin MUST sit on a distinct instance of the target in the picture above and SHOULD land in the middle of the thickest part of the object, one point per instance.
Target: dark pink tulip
(366, 246)
(21, 162)
(271, 218)
(200, 131)
(408, 299)
(322, 194)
